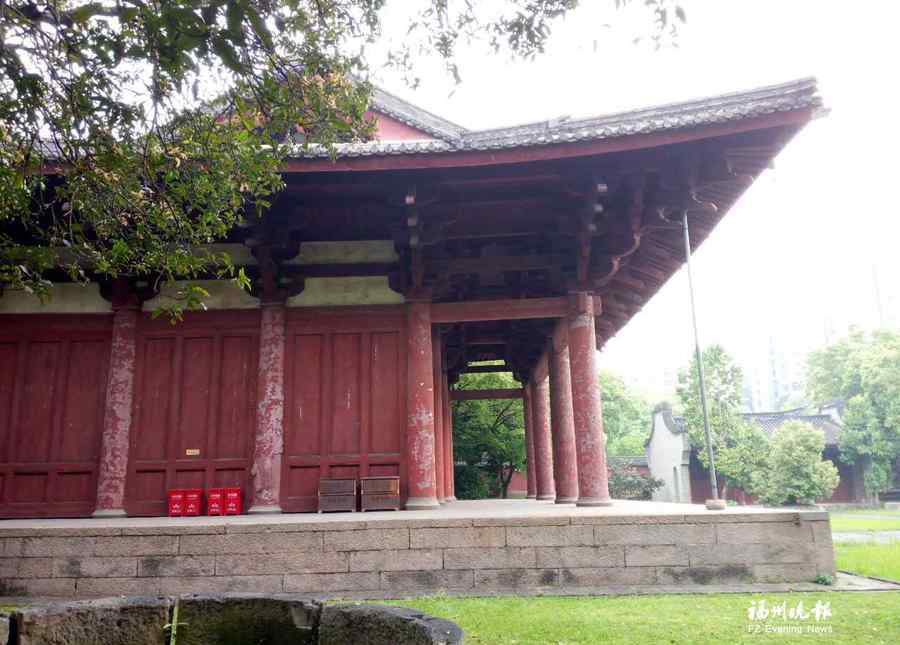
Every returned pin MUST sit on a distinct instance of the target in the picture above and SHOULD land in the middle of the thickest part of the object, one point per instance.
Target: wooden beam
(486, 310)
(484, 395)
(485, 369)
(340, 270)
(497, 264)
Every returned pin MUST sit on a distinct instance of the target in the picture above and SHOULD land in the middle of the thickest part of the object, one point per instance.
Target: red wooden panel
(196, 399)
(29, 487)
(345, 398)
(196, 389)
(299, 489)
(343, 472)
(75, 486)
(52, 391)
(384, 470)
(387, 424)
(345, 408)
(305, 400)
(153, 400)
(8, 365)
(31, 443)
(83, 412)
(236, 398)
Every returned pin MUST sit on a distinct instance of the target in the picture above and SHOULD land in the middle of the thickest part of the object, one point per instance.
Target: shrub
(470, 482)
(795, 472)
(625, 482)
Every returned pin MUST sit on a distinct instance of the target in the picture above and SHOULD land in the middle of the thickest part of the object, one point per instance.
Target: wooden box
(337, 495)
(380, 493)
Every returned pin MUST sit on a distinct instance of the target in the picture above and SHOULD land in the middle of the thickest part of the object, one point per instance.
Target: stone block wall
(398, 557)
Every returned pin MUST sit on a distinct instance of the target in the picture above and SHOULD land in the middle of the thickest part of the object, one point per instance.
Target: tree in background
(864, 372)
(626, 417)
(739, 447)
(489, 436)
(170, 120)
(795, 472)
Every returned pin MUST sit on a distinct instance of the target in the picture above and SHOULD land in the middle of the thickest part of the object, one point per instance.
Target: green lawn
(869, 558)
(865, 520)
(720, 618)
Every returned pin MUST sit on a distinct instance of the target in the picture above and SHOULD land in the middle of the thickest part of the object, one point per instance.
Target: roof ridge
(415, 116)
(801, 85)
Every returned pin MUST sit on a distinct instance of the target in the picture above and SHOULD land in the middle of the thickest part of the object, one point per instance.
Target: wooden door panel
(236, 399)
(9, 354)
(191, 439)
(386, 392)
(305, 371)
(195, 400)
(85, 393)
(32, 441)
(344, 408)
(345, 399)
(52, 391)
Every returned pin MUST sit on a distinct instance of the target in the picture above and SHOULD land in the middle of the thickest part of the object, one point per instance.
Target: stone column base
(264, 509)
(587, 501)
(109, 512)
(422, 504)
(715, 504)
(566, 500)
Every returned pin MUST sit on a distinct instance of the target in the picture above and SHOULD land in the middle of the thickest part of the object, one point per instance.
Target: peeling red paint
(439, 437)
(117, 413)
(420, 408)
(543, 449)
(269, 440)
(593, 485)
(565, 466)
(529, 443)
(448, 439)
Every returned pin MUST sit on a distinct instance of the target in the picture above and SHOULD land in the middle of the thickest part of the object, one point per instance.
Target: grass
(869, 558)
(865, 520)
(716, 618)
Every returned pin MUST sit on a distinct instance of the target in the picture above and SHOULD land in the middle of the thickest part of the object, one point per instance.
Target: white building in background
(668, 452)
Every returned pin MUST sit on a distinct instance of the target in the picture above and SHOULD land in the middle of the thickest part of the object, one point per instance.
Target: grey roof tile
(724, 108)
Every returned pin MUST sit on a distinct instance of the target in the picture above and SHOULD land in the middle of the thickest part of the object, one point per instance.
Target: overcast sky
(799, 251)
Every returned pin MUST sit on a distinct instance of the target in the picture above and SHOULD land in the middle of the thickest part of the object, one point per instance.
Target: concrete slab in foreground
(484, 547)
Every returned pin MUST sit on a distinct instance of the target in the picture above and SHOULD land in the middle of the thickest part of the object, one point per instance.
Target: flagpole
(714, 503)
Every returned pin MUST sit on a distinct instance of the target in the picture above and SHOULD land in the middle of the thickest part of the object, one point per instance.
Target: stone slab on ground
(466, 547)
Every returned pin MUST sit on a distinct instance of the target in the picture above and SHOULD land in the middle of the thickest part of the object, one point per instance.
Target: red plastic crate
(215, 501)
(193, 501)
(232, 500)
(175, 499)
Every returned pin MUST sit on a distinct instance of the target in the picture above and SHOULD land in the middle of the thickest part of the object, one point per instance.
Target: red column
(543, 450)
(117, 415)
(420, 409)
(448, 439)
(593, 484)
(529, 442)
(439, 437)
(268, 443)
(565, 468)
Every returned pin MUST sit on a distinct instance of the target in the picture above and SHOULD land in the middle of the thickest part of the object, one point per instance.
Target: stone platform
(474, 547)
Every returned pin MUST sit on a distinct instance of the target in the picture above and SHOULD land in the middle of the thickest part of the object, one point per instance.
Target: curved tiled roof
(725, 108)
(771, 421)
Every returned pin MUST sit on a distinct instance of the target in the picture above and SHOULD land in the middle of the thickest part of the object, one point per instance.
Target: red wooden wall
(52, 389)
(345, 384)
(195, 402)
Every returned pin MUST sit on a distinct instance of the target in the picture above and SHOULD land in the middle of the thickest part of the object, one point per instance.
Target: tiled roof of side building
(725, 108)
(771, 421)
